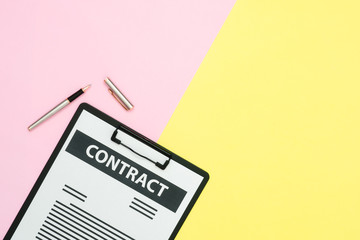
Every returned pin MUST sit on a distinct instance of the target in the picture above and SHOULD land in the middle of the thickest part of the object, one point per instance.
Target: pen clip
(145, 141)
(117, 99)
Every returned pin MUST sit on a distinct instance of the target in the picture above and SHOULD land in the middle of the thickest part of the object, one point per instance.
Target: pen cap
(118, 95)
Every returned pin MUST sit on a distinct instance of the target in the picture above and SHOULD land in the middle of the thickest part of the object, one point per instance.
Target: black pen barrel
(75, 95)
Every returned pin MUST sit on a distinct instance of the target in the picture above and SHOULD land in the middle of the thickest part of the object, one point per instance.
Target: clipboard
(107, 181)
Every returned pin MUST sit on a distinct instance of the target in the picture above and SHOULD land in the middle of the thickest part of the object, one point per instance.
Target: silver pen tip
(85, 88)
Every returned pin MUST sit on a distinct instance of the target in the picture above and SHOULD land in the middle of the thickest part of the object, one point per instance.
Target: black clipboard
(117, 125)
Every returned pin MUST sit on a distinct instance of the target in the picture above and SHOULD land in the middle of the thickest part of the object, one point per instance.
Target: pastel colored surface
(273, 115)
(50, 49)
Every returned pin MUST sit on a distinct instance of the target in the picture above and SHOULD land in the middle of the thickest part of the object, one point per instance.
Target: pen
(118, 95)
(59, 107)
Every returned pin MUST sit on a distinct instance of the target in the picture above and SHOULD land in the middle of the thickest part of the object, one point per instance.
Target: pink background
(50, 49)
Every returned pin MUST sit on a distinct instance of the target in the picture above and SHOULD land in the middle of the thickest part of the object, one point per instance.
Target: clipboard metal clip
(147, 142)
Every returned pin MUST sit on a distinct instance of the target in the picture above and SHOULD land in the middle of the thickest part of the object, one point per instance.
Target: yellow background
(273, 115)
